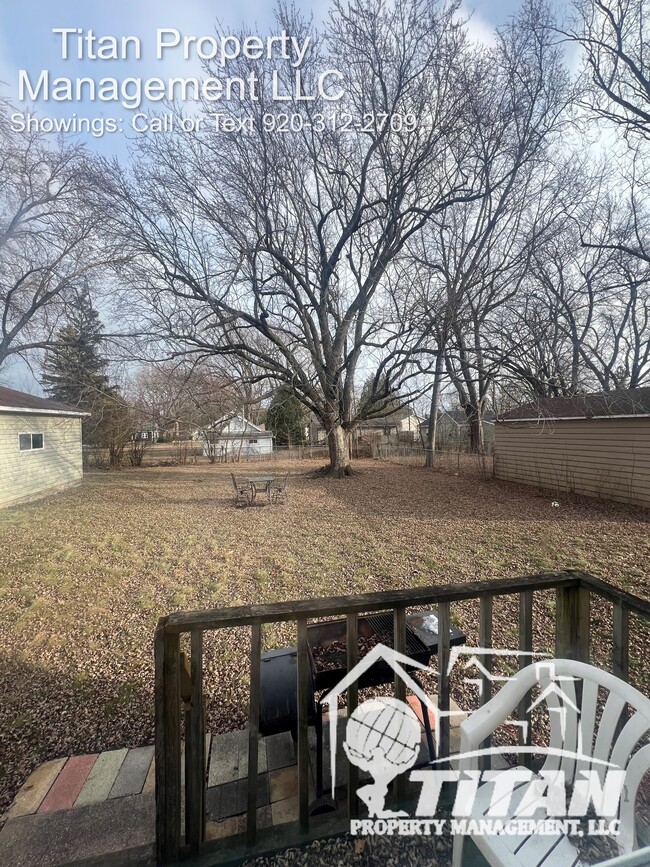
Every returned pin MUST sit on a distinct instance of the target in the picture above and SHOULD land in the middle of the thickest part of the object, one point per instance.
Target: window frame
(31, 435)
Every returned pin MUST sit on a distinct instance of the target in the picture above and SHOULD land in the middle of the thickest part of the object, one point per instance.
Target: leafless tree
(48, 244)
(614, 35)
(186, 397)
(477, 253)
(585, 321)
(280, 248)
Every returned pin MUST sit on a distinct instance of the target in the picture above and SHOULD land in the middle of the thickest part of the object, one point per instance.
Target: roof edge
(24, 410)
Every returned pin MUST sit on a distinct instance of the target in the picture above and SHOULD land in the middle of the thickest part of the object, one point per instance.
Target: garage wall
(605, 458)
(29, 474)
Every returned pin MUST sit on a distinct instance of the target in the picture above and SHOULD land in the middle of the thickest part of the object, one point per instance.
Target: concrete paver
(101, 778)
(38, 784)
(280, 751)
(65, 789)
(133, 773)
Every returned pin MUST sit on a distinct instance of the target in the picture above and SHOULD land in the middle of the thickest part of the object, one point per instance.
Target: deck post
(621, 651)
(572, 623)
(168, 746)
(253, 733)
(399, 644)
(443, 679)
(352, 638)
(195, 751)
(485, 642)
(525, 646)
(304, 676)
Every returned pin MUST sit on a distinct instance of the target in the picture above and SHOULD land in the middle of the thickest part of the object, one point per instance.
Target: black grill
(322, 635)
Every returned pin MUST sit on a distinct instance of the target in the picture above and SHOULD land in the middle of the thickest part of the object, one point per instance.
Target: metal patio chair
(278, 490)
(243, 491)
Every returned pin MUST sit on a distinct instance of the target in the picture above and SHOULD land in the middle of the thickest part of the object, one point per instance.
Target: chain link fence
(446, 460)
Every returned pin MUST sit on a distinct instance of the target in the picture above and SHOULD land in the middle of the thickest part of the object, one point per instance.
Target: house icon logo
(383, 738)
(382, 734)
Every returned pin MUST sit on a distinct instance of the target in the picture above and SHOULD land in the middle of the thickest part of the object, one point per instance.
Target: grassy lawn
(85, 575)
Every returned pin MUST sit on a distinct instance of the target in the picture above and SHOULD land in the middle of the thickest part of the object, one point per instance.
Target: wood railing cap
(244, 615)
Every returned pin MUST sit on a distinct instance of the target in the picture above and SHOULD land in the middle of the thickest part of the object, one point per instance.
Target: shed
(40, 446)
(235, 435)
(597, 445)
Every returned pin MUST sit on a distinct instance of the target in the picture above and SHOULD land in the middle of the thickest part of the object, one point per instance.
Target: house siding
(604, 458)
(30, 474)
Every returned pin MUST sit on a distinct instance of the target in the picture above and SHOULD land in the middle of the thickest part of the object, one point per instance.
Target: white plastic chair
(603, 740)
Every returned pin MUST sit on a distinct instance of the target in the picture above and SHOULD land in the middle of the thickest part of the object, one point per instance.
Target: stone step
(65, 837)
(132, 773)
(101, 778)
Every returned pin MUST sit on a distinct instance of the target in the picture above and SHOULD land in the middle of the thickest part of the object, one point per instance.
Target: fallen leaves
(85, 576)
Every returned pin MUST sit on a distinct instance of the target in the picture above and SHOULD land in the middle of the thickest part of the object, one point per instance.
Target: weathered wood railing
(179, 682)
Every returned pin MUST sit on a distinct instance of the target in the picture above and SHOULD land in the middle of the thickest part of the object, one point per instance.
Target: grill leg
(427, 723)
(319, 750)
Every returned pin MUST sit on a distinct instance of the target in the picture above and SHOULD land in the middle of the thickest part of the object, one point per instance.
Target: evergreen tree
(287, 418)
(74, 371)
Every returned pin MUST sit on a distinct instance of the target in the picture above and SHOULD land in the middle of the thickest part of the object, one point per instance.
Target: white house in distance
(40, 447)
(235, 436)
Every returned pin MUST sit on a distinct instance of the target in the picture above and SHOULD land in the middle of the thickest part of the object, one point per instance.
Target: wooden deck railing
(179, 681)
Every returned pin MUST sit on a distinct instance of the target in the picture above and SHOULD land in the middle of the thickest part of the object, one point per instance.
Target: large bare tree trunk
(433, 412)
(475, 421)
(338, 440)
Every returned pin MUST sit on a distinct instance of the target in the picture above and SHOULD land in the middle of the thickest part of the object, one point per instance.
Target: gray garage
(596, 444)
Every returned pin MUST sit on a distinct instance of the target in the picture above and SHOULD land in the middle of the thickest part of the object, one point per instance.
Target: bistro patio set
(274, 488)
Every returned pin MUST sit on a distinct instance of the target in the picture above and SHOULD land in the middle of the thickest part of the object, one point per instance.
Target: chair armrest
(476, 728)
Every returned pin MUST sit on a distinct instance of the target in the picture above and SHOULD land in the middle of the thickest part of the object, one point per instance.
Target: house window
(28, 442)
(252, 442)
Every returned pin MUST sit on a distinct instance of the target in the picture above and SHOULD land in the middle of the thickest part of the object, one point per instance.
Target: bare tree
(279, 248)
(583, 322)
(48, 244)
(186, 397)
(477, 253)
(614, 37)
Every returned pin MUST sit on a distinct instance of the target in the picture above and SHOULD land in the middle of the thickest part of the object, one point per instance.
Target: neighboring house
(596, 444)
(40, 447)
(399, 428)
(452, 430)
(234, 435)
(150, 433)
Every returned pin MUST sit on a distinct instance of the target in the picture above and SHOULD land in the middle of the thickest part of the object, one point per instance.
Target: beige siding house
(597, 445)
(40, 447)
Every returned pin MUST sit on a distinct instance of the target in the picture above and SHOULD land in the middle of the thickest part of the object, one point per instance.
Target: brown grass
(85, 575)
